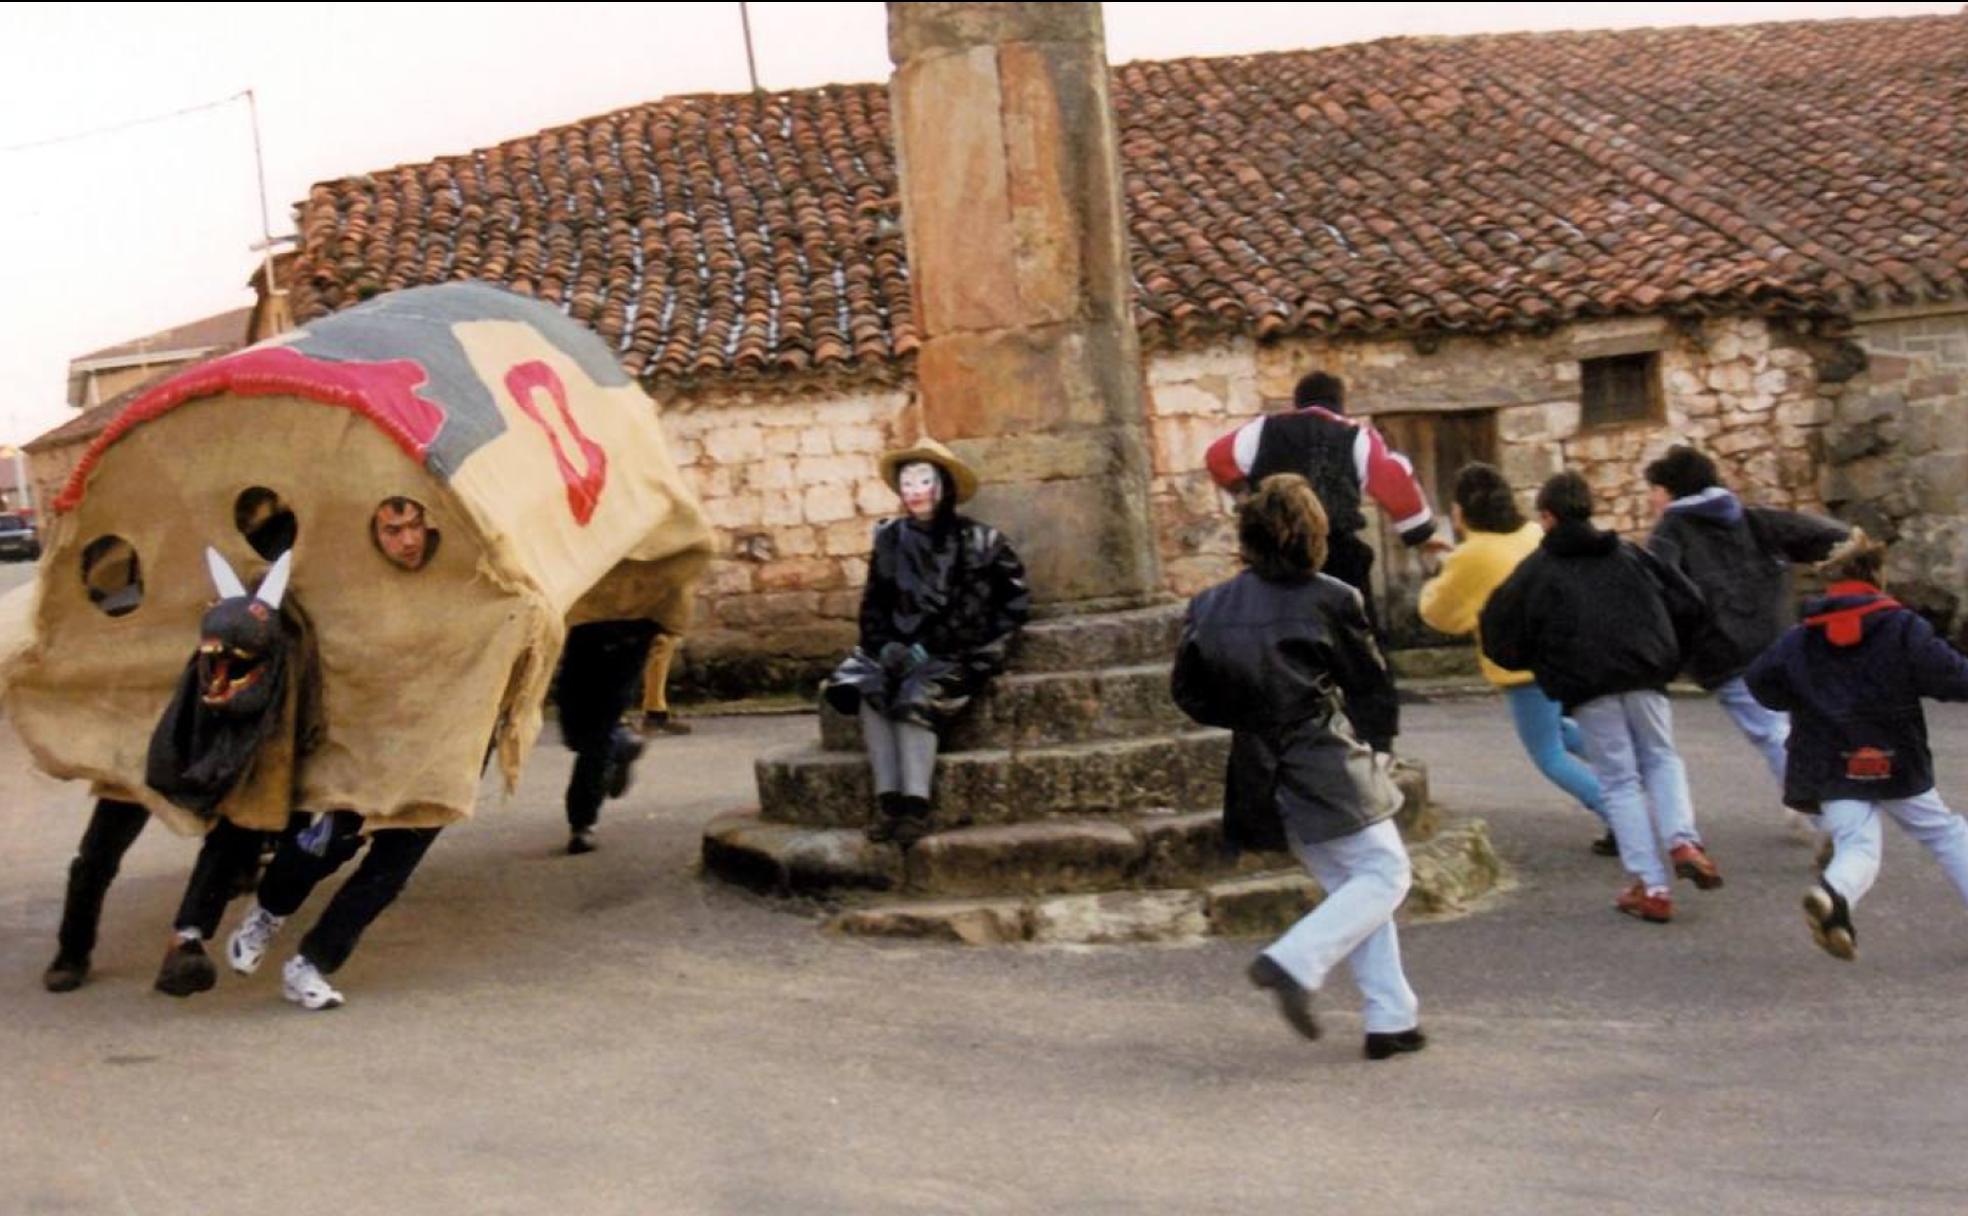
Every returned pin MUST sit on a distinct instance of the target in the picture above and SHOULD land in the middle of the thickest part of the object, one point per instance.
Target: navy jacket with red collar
(1852, 676)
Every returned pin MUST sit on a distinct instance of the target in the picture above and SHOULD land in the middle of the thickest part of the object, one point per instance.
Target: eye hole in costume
(112, 575)
(268, 524)
(400, 528)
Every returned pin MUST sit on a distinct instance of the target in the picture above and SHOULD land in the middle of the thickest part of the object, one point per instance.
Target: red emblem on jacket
(1868, 764)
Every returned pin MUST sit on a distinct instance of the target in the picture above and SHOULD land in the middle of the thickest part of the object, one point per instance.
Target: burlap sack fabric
(541, 465)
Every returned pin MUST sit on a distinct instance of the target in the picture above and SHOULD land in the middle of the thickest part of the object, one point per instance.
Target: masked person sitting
(944, 599)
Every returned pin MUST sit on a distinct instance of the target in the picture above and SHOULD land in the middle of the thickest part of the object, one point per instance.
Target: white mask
(921, 487)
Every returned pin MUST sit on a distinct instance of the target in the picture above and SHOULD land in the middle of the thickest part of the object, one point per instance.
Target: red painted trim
(384, 393)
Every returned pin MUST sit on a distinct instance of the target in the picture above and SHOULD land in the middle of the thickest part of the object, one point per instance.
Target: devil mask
(232, 695)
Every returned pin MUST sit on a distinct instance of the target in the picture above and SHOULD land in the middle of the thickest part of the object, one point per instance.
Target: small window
(1619, 390)
(267, 523)
(112, 575)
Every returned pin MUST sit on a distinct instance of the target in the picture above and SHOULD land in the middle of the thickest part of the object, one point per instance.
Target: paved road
(13, 574)
(532, 1033)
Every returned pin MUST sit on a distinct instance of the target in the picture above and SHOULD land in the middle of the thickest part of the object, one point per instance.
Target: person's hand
(1437, 546)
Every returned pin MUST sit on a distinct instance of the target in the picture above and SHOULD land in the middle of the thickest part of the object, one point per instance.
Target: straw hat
(962, 476)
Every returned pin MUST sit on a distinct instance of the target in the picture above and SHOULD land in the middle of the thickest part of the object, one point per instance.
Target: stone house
(1543, 250)
(102, 382)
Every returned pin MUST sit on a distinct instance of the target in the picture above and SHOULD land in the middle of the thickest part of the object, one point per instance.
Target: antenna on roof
(751, 64)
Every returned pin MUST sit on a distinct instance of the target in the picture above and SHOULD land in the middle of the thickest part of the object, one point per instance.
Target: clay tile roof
(1441, 184)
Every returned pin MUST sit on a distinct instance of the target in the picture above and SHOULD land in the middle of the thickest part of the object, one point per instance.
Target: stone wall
(1734, 387)
(1896, 454)
(790, 485)
(1739, 389)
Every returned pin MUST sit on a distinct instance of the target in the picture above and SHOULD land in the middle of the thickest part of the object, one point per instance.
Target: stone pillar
(1030, 365)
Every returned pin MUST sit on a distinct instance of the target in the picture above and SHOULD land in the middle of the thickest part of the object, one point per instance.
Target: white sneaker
(302, 983)
(248, 943)
(1803, 828)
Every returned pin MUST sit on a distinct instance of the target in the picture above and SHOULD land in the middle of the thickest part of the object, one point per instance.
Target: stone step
(1039, 709)
(805, 785)
(1109, 639)
(1055, 856)
(1052, 857)
(1451, 873)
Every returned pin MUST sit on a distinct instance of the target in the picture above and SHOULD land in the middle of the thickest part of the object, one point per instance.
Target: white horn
(274, 585)
(223, 578)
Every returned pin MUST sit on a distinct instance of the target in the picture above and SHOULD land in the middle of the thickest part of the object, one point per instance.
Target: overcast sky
(112, 236)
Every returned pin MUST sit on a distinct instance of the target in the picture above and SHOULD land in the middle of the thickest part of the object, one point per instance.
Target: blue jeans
(1855, 837)
(1629, 737)
(1366, 876)
(1766, 729)
(1554, 744)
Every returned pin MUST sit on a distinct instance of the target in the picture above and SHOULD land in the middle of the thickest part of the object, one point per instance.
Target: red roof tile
(1409, 185)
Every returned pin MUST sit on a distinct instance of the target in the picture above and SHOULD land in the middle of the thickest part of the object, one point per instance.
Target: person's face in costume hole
(403, 535)
(921, 487)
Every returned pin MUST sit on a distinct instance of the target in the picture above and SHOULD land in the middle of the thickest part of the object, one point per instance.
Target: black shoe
(624, 749)
(660, 722)
(65, 974)
(912, 820)
(581, 840)
(1294, 1001)
(1606, 846)
(1381, 1046)
(888, 812)
(1830, 918)
(187, 969)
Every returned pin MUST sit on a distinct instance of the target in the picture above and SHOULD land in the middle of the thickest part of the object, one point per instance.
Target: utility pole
(751, 64)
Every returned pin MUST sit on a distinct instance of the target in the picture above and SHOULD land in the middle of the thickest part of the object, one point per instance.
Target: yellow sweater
(1452, 601)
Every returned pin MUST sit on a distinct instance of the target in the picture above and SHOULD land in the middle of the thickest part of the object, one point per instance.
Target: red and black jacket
(1851, 677)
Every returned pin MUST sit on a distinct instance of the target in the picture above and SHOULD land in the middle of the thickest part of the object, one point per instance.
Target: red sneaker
(1693, 863)
(1637, 901)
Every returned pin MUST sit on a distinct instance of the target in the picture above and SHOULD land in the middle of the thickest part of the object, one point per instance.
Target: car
(18, 537)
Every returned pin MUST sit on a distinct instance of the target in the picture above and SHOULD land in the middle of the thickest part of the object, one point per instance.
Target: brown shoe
(1693, 863)
(1637, 901)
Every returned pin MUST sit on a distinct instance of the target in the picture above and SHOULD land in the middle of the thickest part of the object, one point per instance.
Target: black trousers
(600, 679)
(394, 854)
(223, 859)
(1350, 560)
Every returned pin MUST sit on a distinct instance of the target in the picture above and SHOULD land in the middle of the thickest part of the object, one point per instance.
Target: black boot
(888, 811)
(624, 749)
(76, 939)
(187, 969)
(912, 822)
(65, 974)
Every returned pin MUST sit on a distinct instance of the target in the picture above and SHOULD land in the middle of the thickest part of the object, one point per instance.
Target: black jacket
(1739, 557)
(940, 609)
(1589, 615)
(1851, 677)
(1292, 669)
